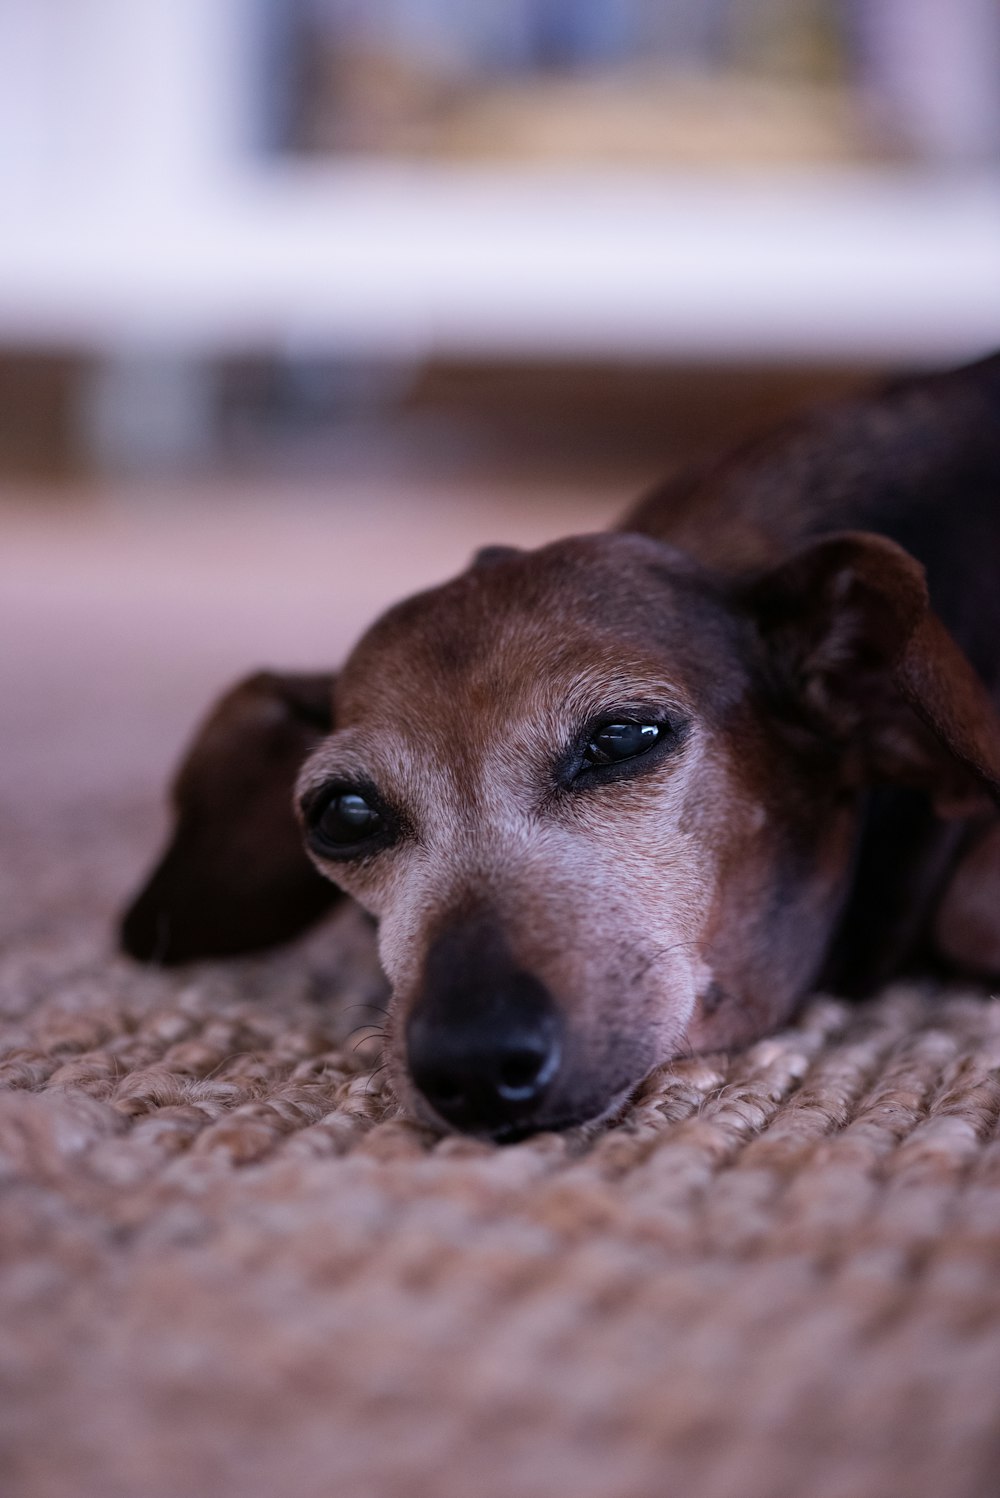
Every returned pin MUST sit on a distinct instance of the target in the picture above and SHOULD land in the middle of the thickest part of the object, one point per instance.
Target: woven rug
(230, 1270)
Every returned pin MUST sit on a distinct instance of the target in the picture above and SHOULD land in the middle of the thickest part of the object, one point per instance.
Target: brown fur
(690, 901)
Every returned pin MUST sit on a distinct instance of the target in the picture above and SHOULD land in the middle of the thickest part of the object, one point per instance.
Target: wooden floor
(123, 610)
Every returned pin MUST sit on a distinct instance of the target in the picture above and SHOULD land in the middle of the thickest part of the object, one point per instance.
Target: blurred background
(301, 300)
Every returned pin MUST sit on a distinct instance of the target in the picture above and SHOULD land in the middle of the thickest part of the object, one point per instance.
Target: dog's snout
(484, 1042)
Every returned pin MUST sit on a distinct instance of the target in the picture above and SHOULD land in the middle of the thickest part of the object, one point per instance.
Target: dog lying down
(634, 794)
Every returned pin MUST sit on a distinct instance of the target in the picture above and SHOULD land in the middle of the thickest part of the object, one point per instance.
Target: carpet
(230, 1270)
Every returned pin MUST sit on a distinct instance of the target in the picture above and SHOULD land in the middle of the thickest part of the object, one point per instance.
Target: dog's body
(920, 464)
(636, 793)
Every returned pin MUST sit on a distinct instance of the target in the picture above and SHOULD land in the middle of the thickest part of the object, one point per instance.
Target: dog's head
(602, 803)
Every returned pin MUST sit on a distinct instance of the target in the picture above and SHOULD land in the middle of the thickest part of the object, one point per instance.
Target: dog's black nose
(486, 1076)
(484, 1041)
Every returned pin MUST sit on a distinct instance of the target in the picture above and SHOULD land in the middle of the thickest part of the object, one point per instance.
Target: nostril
(443, 1089)
(525, 1070)
(518, 1073)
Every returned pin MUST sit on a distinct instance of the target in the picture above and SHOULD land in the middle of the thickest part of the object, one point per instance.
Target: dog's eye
(617, 741)
(346, 819)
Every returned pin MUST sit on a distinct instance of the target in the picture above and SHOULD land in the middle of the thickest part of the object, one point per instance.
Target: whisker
(657, 956)
(366, 1038)
(369, 1025)
(373, 1075)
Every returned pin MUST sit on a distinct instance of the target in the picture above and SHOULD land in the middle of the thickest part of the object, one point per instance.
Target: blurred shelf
(386, 261)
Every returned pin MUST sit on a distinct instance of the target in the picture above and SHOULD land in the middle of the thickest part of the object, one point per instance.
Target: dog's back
(919, 462)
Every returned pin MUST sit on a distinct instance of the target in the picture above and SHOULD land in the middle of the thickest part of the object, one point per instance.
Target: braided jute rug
(229, 1270)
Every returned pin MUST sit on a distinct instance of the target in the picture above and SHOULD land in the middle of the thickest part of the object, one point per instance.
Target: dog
(634, 794)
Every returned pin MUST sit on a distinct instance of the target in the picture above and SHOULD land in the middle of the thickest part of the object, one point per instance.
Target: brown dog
(634, 793)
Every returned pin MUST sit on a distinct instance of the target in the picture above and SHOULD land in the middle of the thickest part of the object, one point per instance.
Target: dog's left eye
(344, 821)
(613, 742)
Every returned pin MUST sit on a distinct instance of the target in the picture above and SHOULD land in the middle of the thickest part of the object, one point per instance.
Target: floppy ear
(850, 631)
(235, 875)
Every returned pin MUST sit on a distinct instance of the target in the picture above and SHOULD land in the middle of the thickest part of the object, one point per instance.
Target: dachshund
(636, 793)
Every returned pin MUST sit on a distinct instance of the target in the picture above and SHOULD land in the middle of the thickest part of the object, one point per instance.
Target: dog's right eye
(613, 742)
(342, 821)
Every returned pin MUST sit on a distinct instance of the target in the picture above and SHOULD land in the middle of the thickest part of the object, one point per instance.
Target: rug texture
(230, 1270)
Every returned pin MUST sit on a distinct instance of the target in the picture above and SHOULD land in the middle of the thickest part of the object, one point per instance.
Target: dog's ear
(235, 875)
(851, 635)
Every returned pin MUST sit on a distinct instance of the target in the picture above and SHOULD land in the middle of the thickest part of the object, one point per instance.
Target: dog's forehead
(587, 605)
